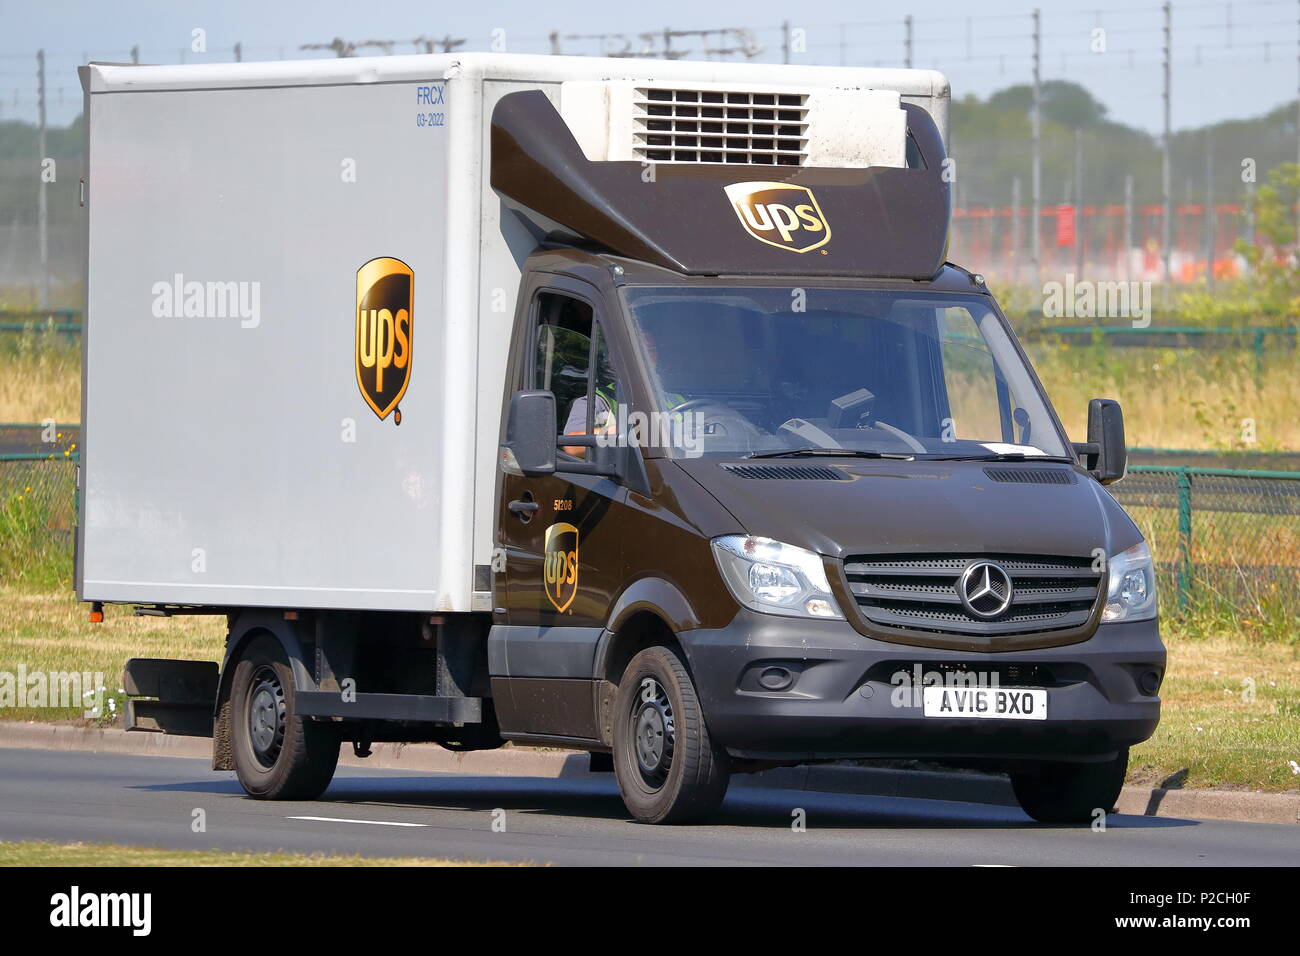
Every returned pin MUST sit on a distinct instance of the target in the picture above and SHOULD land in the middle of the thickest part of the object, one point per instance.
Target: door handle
(524, 509)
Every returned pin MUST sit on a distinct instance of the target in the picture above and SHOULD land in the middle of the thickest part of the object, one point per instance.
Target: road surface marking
(377, 823)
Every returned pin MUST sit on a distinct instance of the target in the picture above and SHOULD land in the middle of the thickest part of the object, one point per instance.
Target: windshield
(771, 370)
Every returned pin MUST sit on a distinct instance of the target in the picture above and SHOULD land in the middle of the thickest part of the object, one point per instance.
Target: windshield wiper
(999, 456)
(830, 453)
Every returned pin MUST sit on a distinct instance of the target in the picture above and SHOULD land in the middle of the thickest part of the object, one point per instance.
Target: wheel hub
(266, 716)
(650, 738)
(652, 734)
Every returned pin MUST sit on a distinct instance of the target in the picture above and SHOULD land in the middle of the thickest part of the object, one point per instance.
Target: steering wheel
(699, 403)
(723, 415)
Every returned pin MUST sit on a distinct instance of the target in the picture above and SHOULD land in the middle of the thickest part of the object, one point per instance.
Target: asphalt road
(86, 797)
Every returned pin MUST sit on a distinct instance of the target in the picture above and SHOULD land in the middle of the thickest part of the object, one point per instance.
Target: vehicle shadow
(595, 798)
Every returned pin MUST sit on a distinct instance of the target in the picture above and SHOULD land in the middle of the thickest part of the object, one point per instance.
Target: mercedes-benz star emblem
(985, 590)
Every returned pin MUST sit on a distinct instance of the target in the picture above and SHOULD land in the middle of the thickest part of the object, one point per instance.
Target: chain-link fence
(1216, 534)
(1219, 534)
(38, 514)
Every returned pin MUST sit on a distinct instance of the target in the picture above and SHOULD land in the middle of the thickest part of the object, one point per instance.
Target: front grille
(919, 592)
(720, 126)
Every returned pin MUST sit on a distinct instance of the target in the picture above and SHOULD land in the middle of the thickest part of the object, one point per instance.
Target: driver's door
(560, 533)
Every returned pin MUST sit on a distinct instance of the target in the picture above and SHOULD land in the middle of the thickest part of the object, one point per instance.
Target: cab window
(569, 345)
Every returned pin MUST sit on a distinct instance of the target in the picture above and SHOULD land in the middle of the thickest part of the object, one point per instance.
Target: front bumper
(847, 700)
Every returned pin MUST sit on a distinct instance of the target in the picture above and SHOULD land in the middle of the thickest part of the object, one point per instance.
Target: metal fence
(1219, 534)
(1216, 534)
(66, 322)
(1239, 459)
(38, 514)
(1260, 340)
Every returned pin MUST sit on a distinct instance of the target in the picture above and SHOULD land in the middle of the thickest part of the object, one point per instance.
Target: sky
(1230, 59)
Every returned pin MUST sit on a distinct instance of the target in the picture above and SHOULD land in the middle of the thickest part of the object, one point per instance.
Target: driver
(605, 420)
(607, 396)
(605, 417)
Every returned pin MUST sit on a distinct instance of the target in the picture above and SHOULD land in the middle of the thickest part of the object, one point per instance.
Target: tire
(277, 754)
(668, 768)
(1071, 792)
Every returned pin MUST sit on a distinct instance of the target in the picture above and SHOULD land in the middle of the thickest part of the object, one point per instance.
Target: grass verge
(51, 633)
(1230, 718)
(107, 854)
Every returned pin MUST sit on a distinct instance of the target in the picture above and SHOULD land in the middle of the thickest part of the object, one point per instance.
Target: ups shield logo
(560, 565)
(383, 337)
(780, 214)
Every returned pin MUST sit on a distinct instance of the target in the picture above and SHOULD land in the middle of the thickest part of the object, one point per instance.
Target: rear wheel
(1071, 792)
(277, 754)
(667, 766)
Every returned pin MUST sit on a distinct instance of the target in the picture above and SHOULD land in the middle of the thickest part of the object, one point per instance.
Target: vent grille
(788, 472)
(919, 592)
(720, 126)
(1033, 476)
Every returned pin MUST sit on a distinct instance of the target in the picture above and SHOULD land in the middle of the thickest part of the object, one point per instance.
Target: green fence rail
(64, 321)
(40, 315)
(1237, 459)
(1216, 534)
(1254, 338)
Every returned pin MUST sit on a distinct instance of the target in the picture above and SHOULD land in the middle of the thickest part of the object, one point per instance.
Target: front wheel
(277, 754)
(669, 770)
(1071, 792)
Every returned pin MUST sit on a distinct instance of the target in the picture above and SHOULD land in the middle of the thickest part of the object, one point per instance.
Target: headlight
(1131, 593)
(775, 578)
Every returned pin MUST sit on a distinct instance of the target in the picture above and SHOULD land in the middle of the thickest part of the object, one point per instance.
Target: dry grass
(105, 854)
(1177, 398)
(51, 632)
(39, 379)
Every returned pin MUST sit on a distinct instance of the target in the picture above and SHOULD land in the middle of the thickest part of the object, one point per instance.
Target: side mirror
(529, 448)
(608, 460)
(1104, 454)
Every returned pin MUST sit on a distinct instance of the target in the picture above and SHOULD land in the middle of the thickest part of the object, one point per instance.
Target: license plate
(998, 702)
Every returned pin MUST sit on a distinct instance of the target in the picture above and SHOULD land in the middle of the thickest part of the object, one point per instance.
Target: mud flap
(170, 697)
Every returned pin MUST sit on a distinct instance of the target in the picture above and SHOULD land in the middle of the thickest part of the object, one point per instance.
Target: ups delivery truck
(625, 406)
